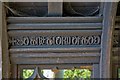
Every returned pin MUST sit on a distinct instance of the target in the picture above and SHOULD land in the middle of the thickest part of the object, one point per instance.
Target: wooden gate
(64, 36)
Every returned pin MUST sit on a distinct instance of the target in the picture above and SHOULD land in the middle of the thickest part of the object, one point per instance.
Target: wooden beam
(14, 71)
(55, 26)
(109, 14)
(55, 8)
(59, 66)
(38, 50)
(57, 60)
(5, 52)
(54, 19)
(53, 55)
(55, 33)
(0, 41)
(96, 71)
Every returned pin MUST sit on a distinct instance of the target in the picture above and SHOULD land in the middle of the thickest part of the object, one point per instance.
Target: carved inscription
(54, 40)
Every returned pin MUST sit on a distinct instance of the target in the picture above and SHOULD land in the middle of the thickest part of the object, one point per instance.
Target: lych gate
(60, 35)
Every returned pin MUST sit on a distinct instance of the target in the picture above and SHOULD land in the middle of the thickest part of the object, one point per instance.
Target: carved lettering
(58, 40)
(74, 40)
(54, 40)
(26, 41)
(96, 39)
(90, 39)
(41, 40)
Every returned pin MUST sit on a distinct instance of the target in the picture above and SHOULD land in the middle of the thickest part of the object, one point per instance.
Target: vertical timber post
(109, 14)
(5, 53)
(55, 8)
(0, 40)
(96, 71)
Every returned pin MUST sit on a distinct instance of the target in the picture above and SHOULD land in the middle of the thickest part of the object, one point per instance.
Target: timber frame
(15, 56)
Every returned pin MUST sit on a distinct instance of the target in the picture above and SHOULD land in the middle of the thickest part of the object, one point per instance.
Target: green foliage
(27, 73)
(118, 73)
(77, 73)
(71, 74)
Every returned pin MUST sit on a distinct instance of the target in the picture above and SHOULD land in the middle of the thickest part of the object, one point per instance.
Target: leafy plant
(71, 74)
(77, 73)
(27, 73)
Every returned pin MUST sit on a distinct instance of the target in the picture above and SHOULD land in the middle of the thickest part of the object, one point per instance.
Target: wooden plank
(37, 50)
(83, 4)
(1, 41)
(14, 71)
(20, 72)
(96, 71)
(46, 55)
(80, 60)
(54, 32)
(108, 23)
(59, 66)
(5, 52)
(53, 26)
(28, 4)
(54, 19)
(54, 38)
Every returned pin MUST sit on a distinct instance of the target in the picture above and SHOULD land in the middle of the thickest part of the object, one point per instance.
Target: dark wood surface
(99, 56)
(108, 25)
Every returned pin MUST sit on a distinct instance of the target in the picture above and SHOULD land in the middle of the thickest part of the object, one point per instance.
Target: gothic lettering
(54, 40)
